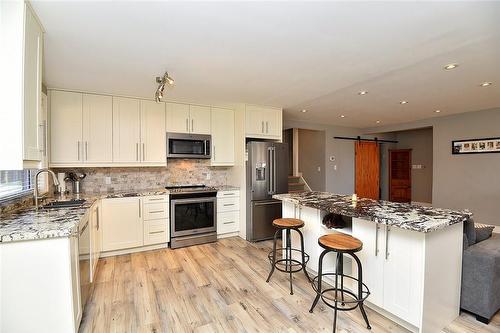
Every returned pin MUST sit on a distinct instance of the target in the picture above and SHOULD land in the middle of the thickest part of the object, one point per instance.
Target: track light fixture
(162, 81)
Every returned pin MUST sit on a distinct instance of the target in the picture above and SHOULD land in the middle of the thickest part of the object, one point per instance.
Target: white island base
(414, 277)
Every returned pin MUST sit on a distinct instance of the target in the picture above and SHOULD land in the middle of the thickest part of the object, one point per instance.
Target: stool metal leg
(303, 254)
(340, 264)
(320, 273)
(273, 264)
(360, 290)
(289, 256)
(336, 291)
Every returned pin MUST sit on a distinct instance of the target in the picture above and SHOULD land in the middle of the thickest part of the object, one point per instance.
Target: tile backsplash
(177, 172)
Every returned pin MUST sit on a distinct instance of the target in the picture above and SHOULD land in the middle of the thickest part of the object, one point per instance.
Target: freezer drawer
(261, 219)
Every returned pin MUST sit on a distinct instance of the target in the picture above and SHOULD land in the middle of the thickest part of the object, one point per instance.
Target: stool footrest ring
(350, 303)
(290, 265)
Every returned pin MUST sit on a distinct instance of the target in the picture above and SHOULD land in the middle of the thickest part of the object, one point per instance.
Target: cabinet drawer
(153, 211)
(156, 231)
(155, 199)
(228, 204)
(228, 222)
(227, 194)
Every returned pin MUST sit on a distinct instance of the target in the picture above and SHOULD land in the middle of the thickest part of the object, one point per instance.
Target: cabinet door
(272, 122)
(122, 225)
(95, 240)
(126, 130)
(33, 43)
(177, 118)
(153, 145)
(65, 127)
(97, 128)
(403, 273)
(255, 123)
(222, 137)
(199, 119)
(371, 257)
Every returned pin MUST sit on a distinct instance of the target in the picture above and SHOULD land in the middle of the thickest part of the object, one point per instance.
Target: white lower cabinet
(95, 239)
(134, 222)
(122, 223)
(228, 212)
(393, 263)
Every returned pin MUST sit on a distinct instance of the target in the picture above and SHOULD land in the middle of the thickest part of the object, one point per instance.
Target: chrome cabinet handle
(229, 222)
(156, 232)
(86, 150)
(187, 125)
(262, 127)
(139, 208)
(228, 205)
(156, 211)
(78, 148)
(214, 153)
(156, 199)
(267, 127)
(192, 125)
(387, 230)
(97, 215)
(143, 151)
(376, 239)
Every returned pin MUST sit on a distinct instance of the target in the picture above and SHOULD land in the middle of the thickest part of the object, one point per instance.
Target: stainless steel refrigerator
(266, 174)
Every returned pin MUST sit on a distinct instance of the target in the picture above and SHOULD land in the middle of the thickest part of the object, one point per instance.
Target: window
(17, 183)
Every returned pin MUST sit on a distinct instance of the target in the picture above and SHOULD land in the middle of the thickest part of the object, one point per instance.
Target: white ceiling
(296, 55)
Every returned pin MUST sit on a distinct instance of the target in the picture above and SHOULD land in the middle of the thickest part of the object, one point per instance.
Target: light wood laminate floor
(218, 287)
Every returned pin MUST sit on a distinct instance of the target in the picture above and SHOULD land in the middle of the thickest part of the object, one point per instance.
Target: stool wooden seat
(340, 242)
(288, 223)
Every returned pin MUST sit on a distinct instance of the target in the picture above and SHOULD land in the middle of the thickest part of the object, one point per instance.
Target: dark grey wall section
(312, 156)
(420, 142)
(463, 181)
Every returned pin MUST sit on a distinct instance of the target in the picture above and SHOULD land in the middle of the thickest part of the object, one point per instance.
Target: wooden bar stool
(348, 300)
(288, 264)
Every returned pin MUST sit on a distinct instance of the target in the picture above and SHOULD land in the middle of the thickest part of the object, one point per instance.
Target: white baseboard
(133, 250)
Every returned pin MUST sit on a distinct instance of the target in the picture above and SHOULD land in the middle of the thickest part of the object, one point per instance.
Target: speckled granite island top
(402, 215)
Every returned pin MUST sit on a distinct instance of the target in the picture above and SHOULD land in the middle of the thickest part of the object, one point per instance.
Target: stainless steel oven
(193, 218)
(188, 145)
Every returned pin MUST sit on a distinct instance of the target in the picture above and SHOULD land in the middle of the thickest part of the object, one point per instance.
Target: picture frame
(475, 146)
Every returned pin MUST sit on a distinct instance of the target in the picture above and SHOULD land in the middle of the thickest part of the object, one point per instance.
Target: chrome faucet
(35, 192)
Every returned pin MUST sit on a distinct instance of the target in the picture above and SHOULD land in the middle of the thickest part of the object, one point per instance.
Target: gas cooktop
(197, 188)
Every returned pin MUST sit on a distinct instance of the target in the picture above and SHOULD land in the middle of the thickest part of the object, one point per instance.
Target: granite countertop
(402, 215)
(29, 224)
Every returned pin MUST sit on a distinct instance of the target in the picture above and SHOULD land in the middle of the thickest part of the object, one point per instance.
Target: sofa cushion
(470, 231)
(483, 231)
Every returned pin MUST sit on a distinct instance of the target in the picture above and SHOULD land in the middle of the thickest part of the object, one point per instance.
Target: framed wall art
(476, 146)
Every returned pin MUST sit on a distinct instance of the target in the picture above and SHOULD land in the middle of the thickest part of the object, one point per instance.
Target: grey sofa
(480, 274)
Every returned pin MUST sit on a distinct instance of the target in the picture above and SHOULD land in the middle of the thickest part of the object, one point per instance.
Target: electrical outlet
(107, 180)
(319, 169)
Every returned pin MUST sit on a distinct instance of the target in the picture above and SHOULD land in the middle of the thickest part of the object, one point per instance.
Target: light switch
(319, 169)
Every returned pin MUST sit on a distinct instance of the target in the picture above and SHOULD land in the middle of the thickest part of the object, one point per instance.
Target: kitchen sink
(64, 204)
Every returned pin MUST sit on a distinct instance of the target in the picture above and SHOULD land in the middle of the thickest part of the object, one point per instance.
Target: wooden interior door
(400, 175)
(367, 181)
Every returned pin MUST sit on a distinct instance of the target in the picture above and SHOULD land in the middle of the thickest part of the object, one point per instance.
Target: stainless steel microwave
(188, 145)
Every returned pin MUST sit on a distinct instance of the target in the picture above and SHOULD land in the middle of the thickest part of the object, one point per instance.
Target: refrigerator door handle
(274, 170)
(270, 168)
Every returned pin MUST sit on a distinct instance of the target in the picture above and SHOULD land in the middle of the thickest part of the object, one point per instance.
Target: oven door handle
(193, 200)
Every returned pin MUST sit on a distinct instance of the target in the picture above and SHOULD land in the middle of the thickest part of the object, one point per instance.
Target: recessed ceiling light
(485, 84)
(378, 121)
(363, 92)
(304, 111)
(450, 66)
(437, 111)
(342, 116)
(403, 102)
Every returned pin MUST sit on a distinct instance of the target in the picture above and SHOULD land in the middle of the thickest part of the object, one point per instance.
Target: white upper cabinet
(153, 134)
(184, 118)
(65, 127)
(80, 129)
(178, 118)
(33, 47)
(97, 141)
(263, 122)
(126, 130)
(199, 119)
(222, 123)
(21, 77)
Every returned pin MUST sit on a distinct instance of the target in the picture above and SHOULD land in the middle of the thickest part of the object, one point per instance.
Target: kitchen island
(411, 256)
